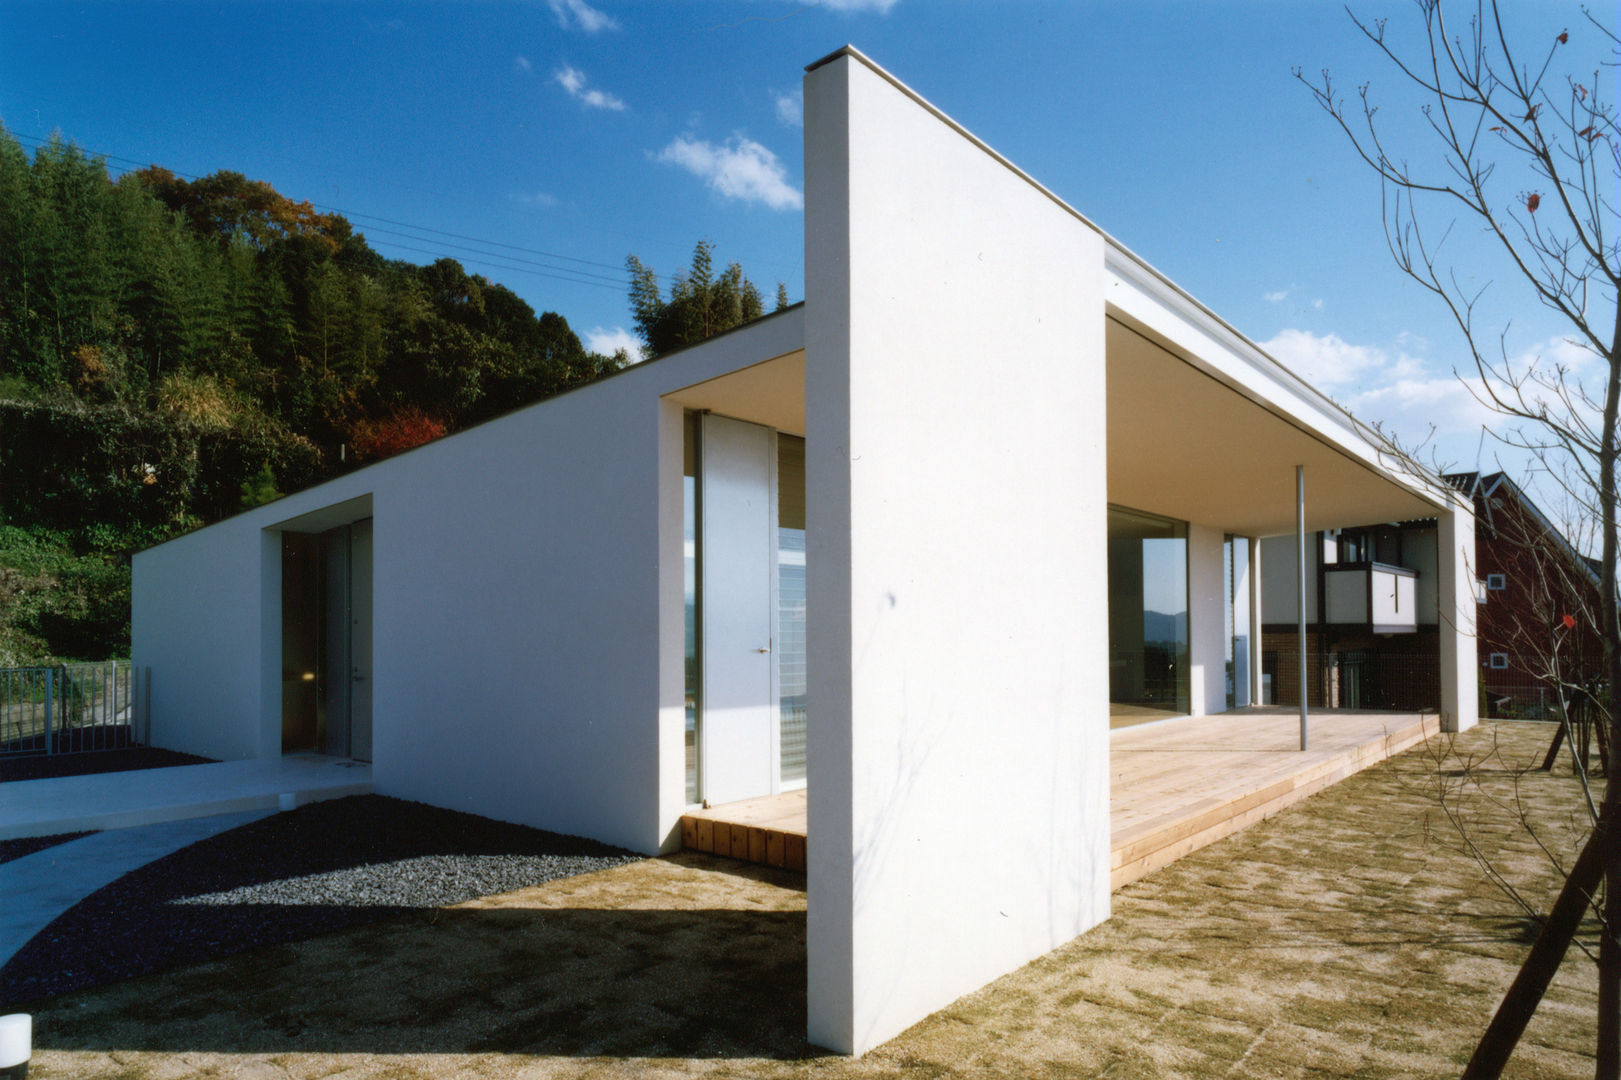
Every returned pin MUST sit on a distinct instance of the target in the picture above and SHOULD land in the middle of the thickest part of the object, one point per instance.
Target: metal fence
(70, 708)
(1353, 680)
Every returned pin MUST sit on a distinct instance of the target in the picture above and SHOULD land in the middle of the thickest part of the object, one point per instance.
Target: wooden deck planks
(769, 831)
(1175, 786)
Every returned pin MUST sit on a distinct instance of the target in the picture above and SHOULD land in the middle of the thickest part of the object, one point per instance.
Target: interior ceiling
(1184, 445)
(770, 393)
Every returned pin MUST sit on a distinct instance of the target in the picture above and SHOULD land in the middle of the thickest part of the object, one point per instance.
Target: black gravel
(294, 875)
(49, 766)
(16, 849)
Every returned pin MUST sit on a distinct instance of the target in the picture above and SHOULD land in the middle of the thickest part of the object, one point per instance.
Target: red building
(1536, 620)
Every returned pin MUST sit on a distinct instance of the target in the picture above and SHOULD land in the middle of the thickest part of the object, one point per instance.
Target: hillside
(172, 351)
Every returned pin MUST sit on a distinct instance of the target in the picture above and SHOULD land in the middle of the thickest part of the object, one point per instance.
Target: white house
(860, 544)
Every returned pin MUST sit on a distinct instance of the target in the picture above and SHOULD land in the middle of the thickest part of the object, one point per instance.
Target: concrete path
(147, 796)
(41, 886)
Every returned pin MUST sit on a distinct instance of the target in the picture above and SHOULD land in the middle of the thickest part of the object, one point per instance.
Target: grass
(1348, 936)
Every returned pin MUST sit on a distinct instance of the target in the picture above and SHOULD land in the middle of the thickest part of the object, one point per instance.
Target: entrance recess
(326, 640)
(738, 699)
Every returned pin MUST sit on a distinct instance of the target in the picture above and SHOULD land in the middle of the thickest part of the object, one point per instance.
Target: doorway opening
(744, 539)
(326, 641)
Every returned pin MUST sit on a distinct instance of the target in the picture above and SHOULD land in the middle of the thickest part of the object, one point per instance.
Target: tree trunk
(1609, 956)
(1523, 996)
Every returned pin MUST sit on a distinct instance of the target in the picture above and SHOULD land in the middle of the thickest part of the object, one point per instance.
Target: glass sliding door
(1235, 551)
(689, 543)
(1148, 617)
(790, 643)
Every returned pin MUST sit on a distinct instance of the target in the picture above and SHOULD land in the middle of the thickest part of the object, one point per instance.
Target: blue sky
(577, 133)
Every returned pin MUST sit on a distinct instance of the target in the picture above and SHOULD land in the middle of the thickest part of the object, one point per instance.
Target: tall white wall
(1455, 580)
(1419, 553)
(1280, 583)
(955, 388)
(199, 608)
(524, 607)
(1207, 621)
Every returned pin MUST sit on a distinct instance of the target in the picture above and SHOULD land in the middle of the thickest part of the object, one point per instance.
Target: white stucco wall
(1419, 553)
(1347, 599)
(523, 607)
(1393, 599)
(1455, 586)
(1279, 583)
(198, 604)
(959, 756)
(1207, 621)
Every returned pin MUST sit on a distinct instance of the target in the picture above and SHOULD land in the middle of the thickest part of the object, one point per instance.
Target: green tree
(260, 489)
(701, 303)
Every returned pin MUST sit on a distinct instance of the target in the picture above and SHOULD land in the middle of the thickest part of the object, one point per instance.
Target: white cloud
(790, 108)
(573, 80)
(521, 63)
(1404, 392)
(1275, 297)
(1326, 360)
(600, 339)
(578, 15)
(535, 198)
(880, 6)
(1317, 304)
(738, 169)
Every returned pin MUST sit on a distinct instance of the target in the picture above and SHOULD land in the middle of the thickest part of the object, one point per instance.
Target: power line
(585, 276)
(622, 282)
(488, 261)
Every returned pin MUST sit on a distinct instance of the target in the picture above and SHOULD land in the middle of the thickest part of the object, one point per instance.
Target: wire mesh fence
(69, 708)
(1354, 680)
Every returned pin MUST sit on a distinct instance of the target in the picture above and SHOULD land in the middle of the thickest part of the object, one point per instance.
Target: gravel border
(17, 767)
(27, 845)
(290, 876)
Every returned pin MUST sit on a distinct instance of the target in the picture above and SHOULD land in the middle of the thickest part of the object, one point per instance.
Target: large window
(1148, 617)
(689, 542)
(1235, 558)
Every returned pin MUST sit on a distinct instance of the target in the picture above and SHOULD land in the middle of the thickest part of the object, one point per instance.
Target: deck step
(769, 831)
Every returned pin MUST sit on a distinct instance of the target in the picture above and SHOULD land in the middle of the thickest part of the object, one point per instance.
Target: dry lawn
(1348, 936)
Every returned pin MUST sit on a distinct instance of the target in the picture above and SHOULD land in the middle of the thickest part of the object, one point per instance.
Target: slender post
(50, 709)
(1300, 590)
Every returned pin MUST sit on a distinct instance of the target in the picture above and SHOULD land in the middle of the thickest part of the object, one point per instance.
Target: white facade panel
(1455, 581)
(1418, 553)
(1347, 599)
(1280, 583)
(1207, 621)
(1393, 599)
(974, 533)
(520, 610)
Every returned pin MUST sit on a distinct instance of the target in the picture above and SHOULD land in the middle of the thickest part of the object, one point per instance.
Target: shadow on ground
(578, 983)
(520, 974)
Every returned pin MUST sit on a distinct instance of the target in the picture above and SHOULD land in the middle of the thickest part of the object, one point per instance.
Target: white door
(360, 640)
(738, 703)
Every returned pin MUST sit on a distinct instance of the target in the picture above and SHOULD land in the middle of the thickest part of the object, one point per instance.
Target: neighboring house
(914, 543)
(1369, 646)
(1372, 622)
(1530, 578)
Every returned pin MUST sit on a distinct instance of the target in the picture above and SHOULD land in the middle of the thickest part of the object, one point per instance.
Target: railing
(1354, 680)
(70, 708)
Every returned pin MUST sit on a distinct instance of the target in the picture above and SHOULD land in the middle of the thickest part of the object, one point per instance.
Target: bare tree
(1531, 154)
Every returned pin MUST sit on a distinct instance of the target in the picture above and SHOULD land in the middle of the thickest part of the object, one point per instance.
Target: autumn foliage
(401, 430)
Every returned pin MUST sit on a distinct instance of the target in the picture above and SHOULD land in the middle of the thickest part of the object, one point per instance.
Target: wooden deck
(770, 830)
(1179, 785)
(1176, 786)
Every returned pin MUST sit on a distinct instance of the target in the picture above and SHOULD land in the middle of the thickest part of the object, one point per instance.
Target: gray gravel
(290, 876)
